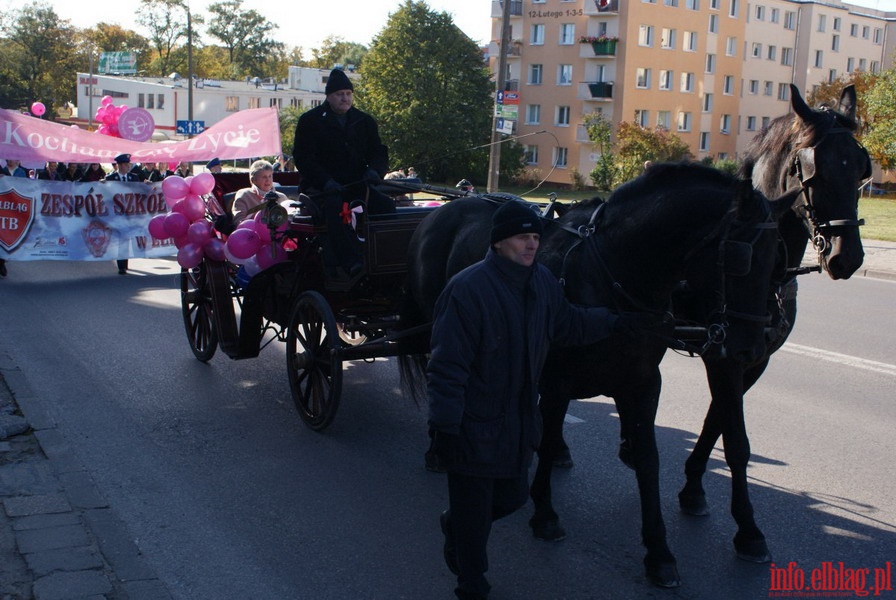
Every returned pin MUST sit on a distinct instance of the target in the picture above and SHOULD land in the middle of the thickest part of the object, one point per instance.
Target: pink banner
(245, 134)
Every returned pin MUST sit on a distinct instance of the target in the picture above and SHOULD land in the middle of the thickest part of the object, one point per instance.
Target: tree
(336, 51)
(827, 93)
(600, 130)
(38, 59)
(104, 37)
(245, 35)
(166, 20)
(428, 86)
(880, 109)
(637, 145)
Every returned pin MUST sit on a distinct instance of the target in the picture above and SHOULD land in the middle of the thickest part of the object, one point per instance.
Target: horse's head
(828, 165)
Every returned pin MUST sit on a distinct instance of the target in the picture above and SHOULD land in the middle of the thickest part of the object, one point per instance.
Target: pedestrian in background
(122, 173)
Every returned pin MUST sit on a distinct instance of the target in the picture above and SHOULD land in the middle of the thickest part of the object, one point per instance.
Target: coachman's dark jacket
(494, 324)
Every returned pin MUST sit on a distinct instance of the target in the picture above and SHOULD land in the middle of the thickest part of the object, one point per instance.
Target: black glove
(447, 448)
(372, 177)
(332, 186)
(640, 325)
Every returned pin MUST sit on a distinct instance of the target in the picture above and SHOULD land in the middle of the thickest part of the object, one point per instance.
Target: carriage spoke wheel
(198, 312)
(313, 360)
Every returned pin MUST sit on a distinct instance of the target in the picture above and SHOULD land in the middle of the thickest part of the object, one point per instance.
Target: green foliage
(880, 107)
(166, 20)
(600, 130)
(827, 93)
(336, 51)
(289, 117)
(727, 165)
(428, 86)
(604, 174)
(637, 145)
(246, 36)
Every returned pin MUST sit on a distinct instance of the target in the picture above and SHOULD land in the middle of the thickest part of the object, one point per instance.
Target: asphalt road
(229, 495)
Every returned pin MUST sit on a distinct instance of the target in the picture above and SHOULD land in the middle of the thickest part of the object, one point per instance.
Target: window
(642, 78)
(751, 123)
(822, 23)
(562, 116)
(707, 103)
(713, 23)
(875, 66)
(772, 53)
(254, 103)
(734, 8)
(140, 101)
(862, 64)
(533, 114)
(766, 121)
(684, 121)
(865, 30)
(767, 88)
(725, 126)
(819, 58)
(710, 63)
(567, 34)
(692, 4)
(836, 26)
(728, 85)
(687, 82)
(757, 50)
(783, 90)
(754, 86)
(672, 3)
(787, 56)
(760, 13)
(731, 46)
(536, 35)
(789, 20)
(232, 103)
(714, 4)
(690, 41)
(878, 35)
(645, 35)
(564, 74)
(160, 101)
(560, 155)
(835, 43)
(832, 75)
(664, 119)
(666, 79)
(531, 155)
(536, 72)
(853, 30)
(668, 39)
(642, 118)
(850, 64)
(704, 141)
(775, 16)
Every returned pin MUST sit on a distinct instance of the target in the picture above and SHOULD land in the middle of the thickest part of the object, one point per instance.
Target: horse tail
(412, 373)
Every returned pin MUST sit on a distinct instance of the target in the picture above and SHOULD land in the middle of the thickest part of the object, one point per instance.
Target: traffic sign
(190, 127)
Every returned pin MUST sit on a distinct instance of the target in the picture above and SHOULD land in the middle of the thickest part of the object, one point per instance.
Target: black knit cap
(512, 218)
(338, 80)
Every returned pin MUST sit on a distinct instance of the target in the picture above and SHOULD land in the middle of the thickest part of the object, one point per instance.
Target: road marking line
(843, 359)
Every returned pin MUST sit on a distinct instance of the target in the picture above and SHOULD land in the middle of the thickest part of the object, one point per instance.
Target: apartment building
(712, 71)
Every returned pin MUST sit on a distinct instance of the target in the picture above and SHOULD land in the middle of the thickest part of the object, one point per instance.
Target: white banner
(62, 220)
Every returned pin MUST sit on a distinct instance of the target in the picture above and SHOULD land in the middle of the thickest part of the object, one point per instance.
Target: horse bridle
(804, 169)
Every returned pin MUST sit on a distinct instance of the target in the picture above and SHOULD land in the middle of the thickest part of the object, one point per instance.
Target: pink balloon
(203, 183)
(157, 227)
(180, 242)
(106, 100)
(176, 225)
(102, 129)
(194, 207)
(100, 114)
(174, 188)
(243, 243)
(229, 256)
(190, 256)
(199, 232)
(214, 249)
(267, 257)
(38, 109)
(261, 228)
(433, 203)
(172, 166)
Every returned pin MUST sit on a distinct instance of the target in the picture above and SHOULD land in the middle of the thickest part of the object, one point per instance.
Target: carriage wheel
(313, 360)
(350, 337)
(198, 311)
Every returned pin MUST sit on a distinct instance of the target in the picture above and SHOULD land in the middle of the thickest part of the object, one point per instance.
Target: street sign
(190, 127)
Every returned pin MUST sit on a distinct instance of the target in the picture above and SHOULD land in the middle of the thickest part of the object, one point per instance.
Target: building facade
(712, 71)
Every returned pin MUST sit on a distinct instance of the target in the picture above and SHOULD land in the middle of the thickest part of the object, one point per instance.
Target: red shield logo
(16, 217)
(96, 237)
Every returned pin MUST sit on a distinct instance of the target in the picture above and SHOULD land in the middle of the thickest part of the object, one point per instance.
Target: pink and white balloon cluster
(107, 115)
(186, 223)
(252, 246)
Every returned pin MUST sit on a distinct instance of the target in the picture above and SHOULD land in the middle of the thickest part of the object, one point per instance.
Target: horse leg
(545, 523)
(637, 415)
(727, 384)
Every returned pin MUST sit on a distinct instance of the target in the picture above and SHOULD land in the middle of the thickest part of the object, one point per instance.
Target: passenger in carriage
(339, 154)
(261, 178)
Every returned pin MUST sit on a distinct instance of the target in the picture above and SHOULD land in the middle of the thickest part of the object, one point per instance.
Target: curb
(59, 539)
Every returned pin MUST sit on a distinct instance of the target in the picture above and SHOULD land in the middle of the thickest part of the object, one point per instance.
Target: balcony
(600, 90)
(602, 7)
(605, 49)
(516, 8)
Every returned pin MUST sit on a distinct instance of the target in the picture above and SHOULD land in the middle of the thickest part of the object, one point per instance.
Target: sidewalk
(59, 540)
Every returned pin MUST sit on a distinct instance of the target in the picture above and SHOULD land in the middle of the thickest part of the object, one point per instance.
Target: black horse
(629, 253)
(812, 156)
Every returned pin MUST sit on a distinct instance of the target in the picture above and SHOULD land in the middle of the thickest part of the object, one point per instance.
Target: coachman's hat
(338, 80)
(212, 163)
(123, 158)
(513, 218)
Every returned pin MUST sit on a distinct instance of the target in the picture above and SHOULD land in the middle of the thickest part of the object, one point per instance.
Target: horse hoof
(664, 575)
(752, 550)
(549, 531)
(693, 504)
(563, 460)
(625, 454)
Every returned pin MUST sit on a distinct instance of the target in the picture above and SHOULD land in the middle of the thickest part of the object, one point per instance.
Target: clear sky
(302, 23)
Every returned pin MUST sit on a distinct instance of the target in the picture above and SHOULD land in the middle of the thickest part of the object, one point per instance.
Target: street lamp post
(189, 67)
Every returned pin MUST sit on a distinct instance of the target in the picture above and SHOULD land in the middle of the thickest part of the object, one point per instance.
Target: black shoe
(122, 271)
(563, 460)
(2, 268)
(450, 548)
